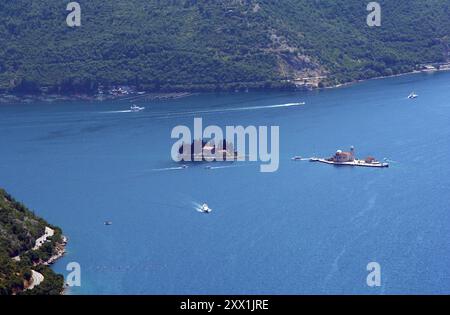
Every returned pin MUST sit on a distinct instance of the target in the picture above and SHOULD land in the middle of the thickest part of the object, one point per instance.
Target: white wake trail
(267, 106)
(222, 167)
(117, 112)
(225, 110)
(169, 169)
(212, 111)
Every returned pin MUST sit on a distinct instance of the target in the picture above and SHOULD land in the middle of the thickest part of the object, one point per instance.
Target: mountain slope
(204, 45)
(19, 229)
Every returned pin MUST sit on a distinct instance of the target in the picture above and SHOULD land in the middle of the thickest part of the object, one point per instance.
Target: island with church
(341, 158)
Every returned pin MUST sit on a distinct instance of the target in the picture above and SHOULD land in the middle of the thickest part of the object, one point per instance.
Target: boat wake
(270, 106)
(118, 111)
(222, 167)
(247, 108)
(166, 115)
(198, 207)
(177, 168)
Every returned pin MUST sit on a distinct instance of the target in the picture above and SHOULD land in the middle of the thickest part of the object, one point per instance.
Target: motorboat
(297, 158)
(108, 222)
(205, 209)
(135, 108)
(413, 96)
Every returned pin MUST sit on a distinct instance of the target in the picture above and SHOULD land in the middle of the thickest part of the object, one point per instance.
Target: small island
(28, 245)
(349, 159)
(200, 151)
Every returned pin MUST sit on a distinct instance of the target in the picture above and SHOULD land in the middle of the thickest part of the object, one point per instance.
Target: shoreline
(386, 77)
(60, 248)
(7, 97)
(60, 252)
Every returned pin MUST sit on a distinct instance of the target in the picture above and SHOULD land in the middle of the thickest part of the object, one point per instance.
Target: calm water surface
(308, 228)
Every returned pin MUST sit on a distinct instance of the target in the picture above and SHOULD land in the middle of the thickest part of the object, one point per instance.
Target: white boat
(413, 96)
(297, 158)
(135, 108)
(205, 209)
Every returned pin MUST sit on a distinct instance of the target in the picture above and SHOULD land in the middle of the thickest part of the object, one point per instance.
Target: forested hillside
(19, 229)
(208, 45)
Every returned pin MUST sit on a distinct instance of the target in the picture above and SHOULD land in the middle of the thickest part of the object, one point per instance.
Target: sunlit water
(307, 228)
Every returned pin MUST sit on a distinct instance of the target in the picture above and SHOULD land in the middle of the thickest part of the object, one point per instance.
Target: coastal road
(37, 279)
(41, 240)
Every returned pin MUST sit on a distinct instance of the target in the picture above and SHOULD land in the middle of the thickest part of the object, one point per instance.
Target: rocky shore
(60, 249)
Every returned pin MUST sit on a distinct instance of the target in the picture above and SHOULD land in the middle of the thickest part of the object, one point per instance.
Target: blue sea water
(306, 229)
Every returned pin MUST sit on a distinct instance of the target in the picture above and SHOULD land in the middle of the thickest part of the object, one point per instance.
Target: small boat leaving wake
(266, 107)
(412, 96)
(134, 108)
(117, 111)
(177, 168)
(209, 167)
(172, 114)
(204, 209)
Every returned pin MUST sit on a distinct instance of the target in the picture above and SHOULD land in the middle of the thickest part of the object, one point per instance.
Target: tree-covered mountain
(19, 230)
(209, 44)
